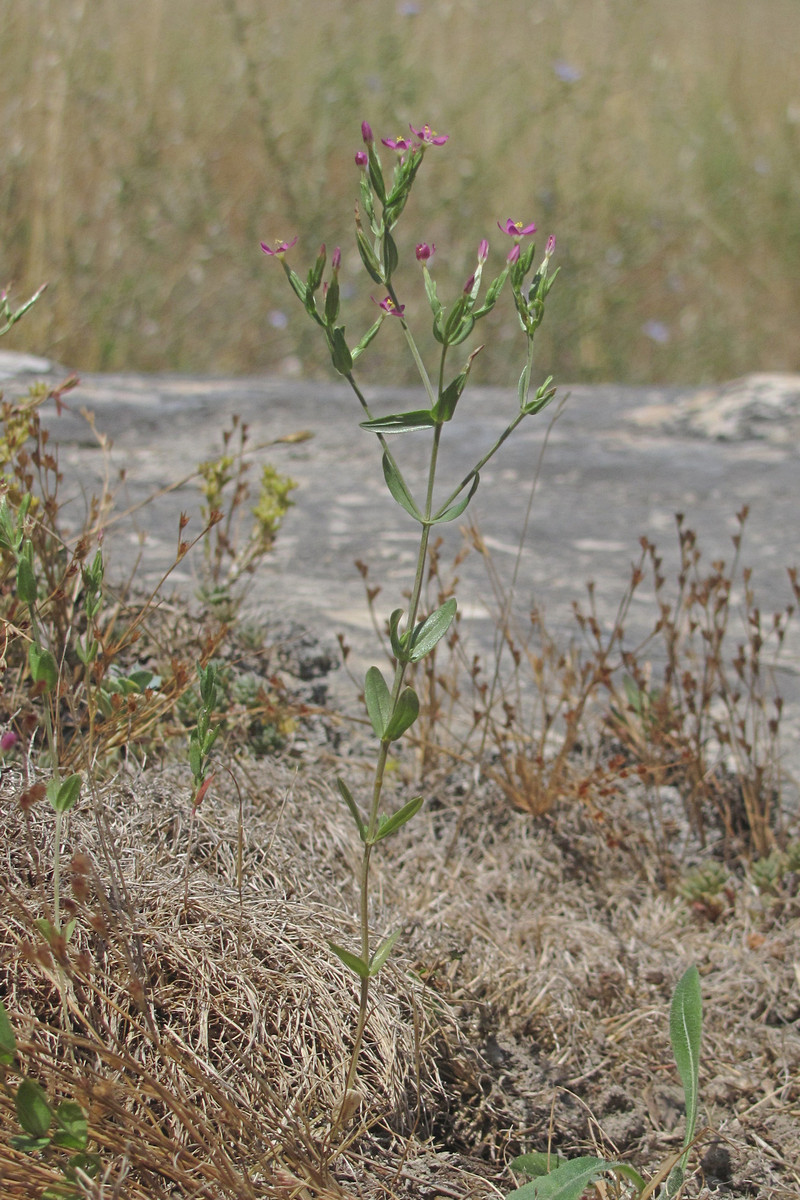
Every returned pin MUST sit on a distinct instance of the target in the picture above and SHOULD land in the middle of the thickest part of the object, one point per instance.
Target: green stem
(380, 765)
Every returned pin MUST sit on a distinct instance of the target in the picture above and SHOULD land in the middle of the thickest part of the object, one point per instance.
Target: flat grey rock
(619, 463)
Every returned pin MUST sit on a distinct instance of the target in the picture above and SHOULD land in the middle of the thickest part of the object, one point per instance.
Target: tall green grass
(149, 145)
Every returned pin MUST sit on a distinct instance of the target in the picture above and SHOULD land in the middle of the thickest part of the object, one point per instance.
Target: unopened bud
(366, 133)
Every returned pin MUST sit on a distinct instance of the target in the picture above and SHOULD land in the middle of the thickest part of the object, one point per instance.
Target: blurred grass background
(149, 145)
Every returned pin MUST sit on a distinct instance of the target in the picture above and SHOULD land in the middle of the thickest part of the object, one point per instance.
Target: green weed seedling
(559, 1179)
(47, 1131)
(392, 705)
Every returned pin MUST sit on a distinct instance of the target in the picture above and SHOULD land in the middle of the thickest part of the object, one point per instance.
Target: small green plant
(230, 548)
(47, 1131)
(559, 1179)
(394, 706)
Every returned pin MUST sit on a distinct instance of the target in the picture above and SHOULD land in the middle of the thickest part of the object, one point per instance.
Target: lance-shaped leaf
(368, 257)
(26, 580)
(297, 284)
(33, 1112)
(72, 1126)
(408, 422)
(382, 953)
(367, 338)
(340, 354)
(390, 255)
(43, 666)
(492, 294)
(405, 714)
(430, 631)
(570, 1180)
(396, 820)
(397, 486)
(332, 301)
(457, 508)
(685, 1031)
(63, 794)
(355, 964)
(446, 404)
(430, 289)
(376, 173)
(347, 796)
(378, 700)
(398, 649)
(8, 1042)
(542, 398)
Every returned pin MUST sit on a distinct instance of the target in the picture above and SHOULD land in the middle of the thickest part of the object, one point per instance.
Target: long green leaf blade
(356, 964)
(382, 953)
(397, 486)
(570, 1179)
(399, 818)
(378, 700)
(685, 1031)
(33, 1112)
(431, 630)
(8, 1042)
(405, 714)
(347, 796)
(408, 422)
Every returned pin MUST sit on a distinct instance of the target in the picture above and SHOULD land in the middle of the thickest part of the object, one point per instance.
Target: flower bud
(424, 252)
(551, 245)
(8, 739)
(362, 158)
(483, 251)
(513, 254)
(366, 133)
(336, 259)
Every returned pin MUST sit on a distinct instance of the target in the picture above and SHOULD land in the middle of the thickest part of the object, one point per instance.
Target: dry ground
(526, 1005)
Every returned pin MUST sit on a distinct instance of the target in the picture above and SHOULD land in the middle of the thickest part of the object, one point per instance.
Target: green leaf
(332, 301)
(8, 1042)
(390, 255)
(72, 1126)
(398, 648)
(536, 1163)
(88, 1163)
(431, 630)
(405, 714)
(398, 488)
(408, 422)
(368, 257)
(570, 1179)
(33, 1112)
(457, 508)
(446, 404)
(26, 581)
(430, 288)
(352, 961)
(685, 1031)
(340, 354)
(367, 338)
(378, 700)
(542, 398)
(63, 795)
(396, 820)
(347, 796)
(376, 173)
(29, 1145)
(382, 953)
(462, 332)
(43, 666)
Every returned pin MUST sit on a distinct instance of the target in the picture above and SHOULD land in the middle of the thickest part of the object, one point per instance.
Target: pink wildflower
(279, 249)
(516, 229)
(429, 136)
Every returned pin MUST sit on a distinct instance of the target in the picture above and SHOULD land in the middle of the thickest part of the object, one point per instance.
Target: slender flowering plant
(392, 706)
